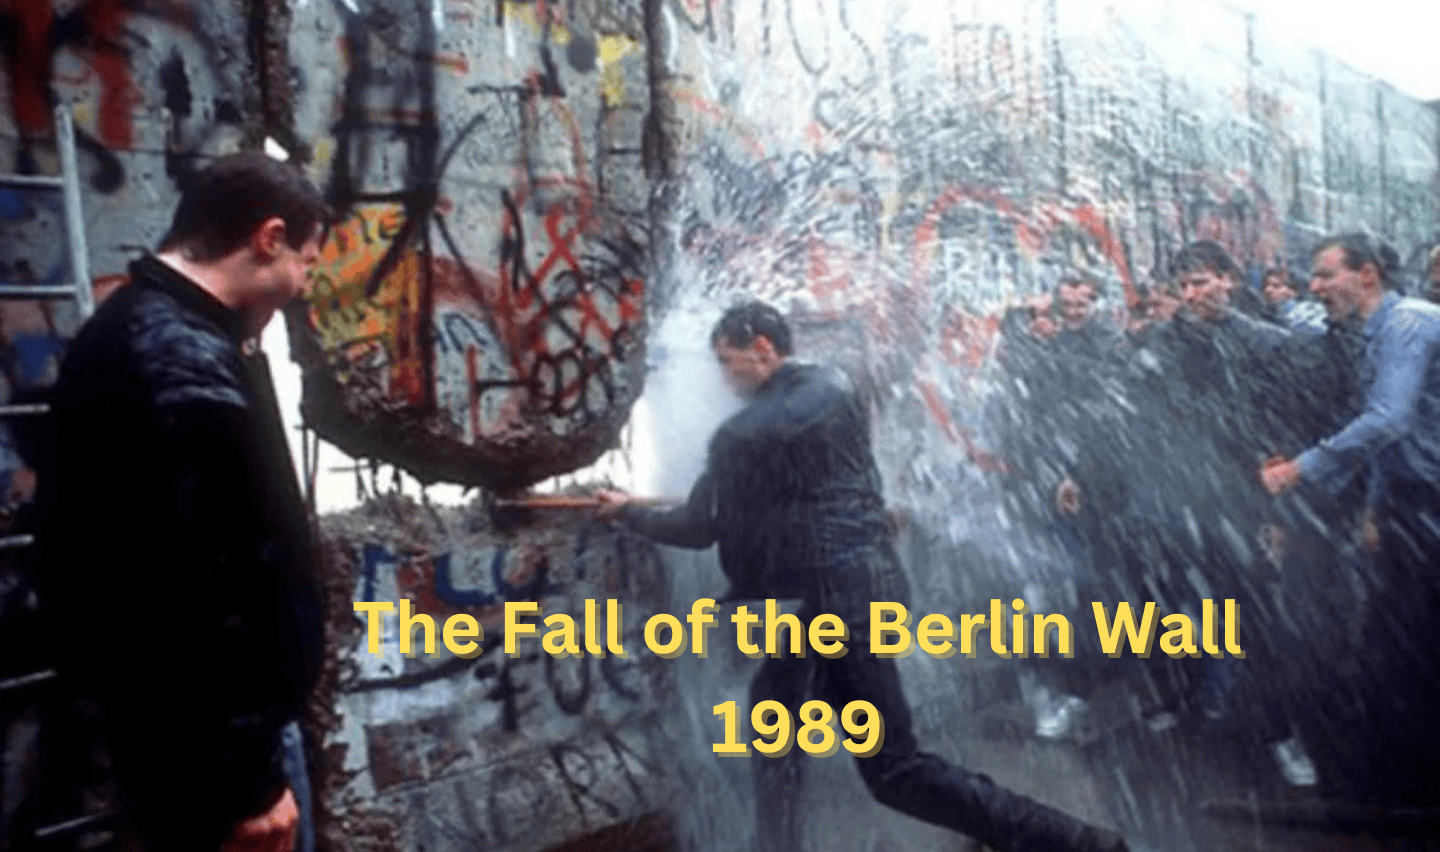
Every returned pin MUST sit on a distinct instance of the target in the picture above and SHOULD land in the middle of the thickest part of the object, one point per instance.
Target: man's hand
(1067, 496)
(22, 487)
(272, 831)
(1370, 532)
(611, 502)
(1280, 475)
(1273, 542)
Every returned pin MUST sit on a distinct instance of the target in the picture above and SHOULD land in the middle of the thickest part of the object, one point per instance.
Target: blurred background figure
(1432, 274)
(1288, 304)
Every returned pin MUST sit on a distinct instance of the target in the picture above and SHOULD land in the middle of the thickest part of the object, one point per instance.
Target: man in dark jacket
(791, 495)
(1219, 420)
(175, 532)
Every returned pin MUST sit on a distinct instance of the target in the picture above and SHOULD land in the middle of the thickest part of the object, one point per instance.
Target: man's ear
(1370, 276)
(269, 238)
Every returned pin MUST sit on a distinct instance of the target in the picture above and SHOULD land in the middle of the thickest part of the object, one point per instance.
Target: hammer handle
(549, 502)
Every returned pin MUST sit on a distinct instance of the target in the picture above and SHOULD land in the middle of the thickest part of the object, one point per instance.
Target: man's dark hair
(1162, 282)
(1356, 250)
(1202, 256)
(1078, 280)
(740, 325)
(223, 203)
(1288, 278)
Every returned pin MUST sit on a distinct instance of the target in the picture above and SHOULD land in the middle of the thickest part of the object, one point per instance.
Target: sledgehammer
(515, 512)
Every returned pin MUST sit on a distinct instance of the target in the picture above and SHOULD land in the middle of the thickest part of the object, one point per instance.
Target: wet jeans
(297, 773)
(900, 775)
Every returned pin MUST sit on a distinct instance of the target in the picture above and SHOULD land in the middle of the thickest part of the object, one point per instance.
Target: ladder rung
(72, 826)
(24, 408)
(13, 541)
(41, 181)
(27, 680)
(37, 291)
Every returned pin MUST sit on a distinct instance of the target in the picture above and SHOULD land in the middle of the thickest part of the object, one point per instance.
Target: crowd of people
(1275, 445)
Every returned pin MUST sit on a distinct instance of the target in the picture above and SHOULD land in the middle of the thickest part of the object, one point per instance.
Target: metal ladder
(79, 289)
(67, 183)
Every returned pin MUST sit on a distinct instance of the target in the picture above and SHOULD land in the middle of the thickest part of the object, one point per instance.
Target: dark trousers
(901, 776)
(1400, 680)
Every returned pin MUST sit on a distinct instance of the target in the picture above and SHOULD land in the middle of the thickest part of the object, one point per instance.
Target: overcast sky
(1397, 41)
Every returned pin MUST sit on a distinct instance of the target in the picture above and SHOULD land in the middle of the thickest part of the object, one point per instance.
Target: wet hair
(1357, 249)
(1288, 278)
(1078, 280)
(1393, 271)
(1203, 256)
(1247, 300)
(223, 203)
(1161, 283)
(740, 325)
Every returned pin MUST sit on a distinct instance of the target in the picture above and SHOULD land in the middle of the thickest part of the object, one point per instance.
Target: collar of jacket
(155, 273)
(781, 377)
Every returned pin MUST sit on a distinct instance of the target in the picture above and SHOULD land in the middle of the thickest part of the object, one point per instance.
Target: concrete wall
(480, 314)
(978, 148)
(490, 751)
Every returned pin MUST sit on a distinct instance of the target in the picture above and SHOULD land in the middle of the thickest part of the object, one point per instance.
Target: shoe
(1295, 763)
(1061, 718)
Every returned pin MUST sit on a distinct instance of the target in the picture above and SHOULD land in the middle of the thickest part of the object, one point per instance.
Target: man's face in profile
(746, 368)
(1336, 285)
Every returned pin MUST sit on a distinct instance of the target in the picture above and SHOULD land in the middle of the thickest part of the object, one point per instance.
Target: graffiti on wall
(151, 86)
(116, 60)
(489, 275)
(1011, 148)
(572, 739)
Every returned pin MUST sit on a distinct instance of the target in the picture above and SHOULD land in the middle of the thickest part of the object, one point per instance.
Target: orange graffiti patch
(379, 332)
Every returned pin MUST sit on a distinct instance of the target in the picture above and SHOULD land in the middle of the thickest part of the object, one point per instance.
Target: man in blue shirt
(1395, 444)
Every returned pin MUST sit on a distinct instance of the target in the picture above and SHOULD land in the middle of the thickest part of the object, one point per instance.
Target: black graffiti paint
(578, 380)
(104, 37)
(608, 266)
(569, 682)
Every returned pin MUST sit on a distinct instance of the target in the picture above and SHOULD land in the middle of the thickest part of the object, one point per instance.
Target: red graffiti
(727, 119)
(938, 410)
(529, 305)
(29, 64)
(965, 340)
(31, 52)
(1030, 229)
(457, 62)
(1095, 223)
